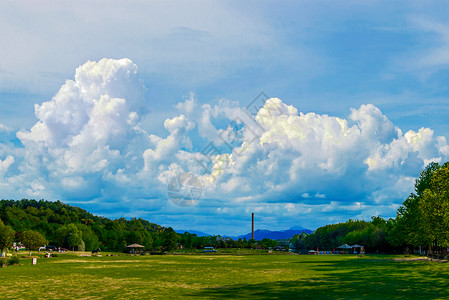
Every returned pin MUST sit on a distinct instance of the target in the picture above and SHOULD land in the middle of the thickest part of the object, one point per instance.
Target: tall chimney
(252, 227)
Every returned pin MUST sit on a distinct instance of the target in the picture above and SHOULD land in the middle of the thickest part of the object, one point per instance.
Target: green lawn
(225, 276)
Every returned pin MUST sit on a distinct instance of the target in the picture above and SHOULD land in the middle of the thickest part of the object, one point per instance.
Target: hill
(261, 234)
(75, 228)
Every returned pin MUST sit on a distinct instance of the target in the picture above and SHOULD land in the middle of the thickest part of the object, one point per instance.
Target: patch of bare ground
(424, 258)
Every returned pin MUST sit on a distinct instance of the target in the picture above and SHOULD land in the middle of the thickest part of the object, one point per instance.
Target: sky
(304, 112)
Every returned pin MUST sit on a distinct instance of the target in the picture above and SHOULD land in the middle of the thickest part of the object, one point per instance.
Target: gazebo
(358, 248)
(345, 247)
(134, 247)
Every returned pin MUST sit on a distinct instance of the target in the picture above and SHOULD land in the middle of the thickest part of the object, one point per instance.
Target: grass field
(71, 276)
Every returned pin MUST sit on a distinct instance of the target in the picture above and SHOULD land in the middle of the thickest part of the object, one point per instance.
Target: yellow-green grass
(209, 276)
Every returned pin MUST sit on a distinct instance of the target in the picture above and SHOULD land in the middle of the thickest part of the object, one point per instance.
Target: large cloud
(88, 129)
(311, 157)
(88, 145)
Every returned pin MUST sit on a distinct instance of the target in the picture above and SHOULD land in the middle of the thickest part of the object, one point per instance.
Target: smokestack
(252, 227)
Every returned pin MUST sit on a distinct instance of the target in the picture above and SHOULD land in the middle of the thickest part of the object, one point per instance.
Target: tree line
(35, 223)
(422, 222)
(74, 228)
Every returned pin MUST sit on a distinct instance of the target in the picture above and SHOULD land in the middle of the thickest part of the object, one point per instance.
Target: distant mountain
(299, 228)
(198, 233)
(261, 234)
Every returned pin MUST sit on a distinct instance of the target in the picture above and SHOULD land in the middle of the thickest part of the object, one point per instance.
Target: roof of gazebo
(135, 246)
(345, 246)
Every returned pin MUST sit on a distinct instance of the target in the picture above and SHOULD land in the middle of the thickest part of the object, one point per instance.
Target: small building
(209, 249)
(279, 248)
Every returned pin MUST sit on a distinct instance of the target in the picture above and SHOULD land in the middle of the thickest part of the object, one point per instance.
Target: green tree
(74, 240)
(425, 178)
(252, 244)
(268, 243)
(170, 238)
(81, 246)
(409, 227)
(434, 208)
(6, 237)
(32, 240)
(135, 237)
(187, 240)
(148, 241)
(423, 218)
(299, 242)
(70, 236)
(89, 238)
(53, 220)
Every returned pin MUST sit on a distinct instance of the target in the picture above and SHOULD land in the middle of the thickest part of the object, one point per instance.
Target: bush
(54, 255)
(13, 261)
(2, 262)
(82, 246)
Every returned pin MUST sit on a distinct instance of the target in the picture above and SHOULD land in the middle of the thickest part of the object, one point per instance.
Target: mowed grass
(225, 276)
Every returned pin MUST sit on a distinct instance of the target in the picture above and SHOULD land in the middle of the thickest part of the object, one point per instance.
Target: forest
(73, 228)
(421, 224)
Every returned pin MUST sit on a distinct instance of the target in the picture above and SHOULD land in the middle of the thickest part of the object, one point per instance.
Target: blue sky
(361, 90)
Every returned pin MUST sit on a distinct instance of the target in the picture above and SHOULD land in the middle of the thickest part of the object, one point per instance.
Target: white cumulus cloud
(88, 144)
(89, 128)
(299, 155)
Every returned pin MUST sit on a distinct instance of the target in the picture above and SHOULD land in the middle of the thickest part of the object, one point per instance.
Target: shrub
(13, 261)
(54, 255)
(82, 246)
(2, 262)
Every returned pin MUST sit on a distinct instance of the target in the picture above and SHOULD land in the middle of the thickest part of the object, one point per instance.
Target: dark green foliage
(299, 242)
(71, 236)
(268, 243)
(424, 181)
(72, 227)
(170, 239)
(6, 236)
(89, 238)
(32, 240)
(371, 235)
(423, 218)
(13, 261)
(76, 229)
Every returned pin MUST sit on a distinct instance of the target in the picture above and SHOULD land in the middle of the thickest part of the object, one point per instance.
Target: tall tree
(170, 238)
(423, 218)
(70, 236)
(6, 238)
(88, 237)
(434, 207)
(425, 178)
(32, 240)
